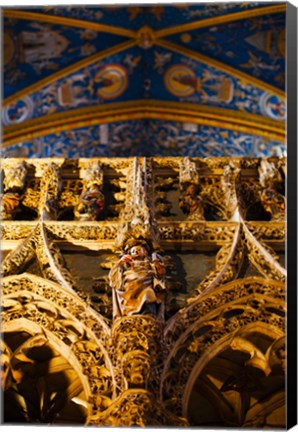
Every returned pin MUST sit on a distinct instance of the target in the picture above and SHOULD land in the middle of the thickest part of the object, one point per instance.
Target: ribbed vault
(78, 81)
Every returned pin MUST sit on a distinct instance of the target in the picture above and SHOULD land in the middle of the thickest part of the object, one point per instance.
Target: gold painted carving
(142, 366)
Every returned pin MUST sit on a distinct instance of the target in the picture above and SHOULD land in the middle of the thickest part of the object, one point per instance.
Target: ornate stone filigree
(229, 180)
(39, 306)
(137, 356)
(51, 261)
(262, 257)
(270, 179)
(17, 259)
(50, 189)
(222, 295)
(135, 342)
(136, 219)
(137, 408)
(229, 260)
(222, 314)
(141, 368)
(190, 202)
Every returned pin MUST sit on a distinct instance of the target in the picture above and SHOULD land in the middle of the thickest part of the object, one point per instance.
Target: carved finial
(229, 179)
(50, 189)
(136, 218)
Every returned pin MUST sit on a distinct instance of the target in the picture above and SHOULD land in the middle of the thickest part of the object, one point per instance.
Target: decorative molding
(150, 109)
(71, 22)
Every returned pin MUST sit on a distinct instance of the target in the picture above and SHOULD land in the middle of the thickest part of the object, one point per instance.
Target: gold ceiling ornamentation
(206, 22)
(69, 70)
(54, 19)
(149, 109)
(145, 37)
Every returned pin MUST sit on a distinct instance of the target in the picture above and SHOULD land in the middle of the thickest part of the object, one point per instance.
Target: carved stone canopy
(222, 336)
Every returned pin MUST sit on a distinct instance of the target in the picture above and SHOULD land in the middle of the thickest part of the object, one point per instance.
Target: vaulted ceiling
(200, 80)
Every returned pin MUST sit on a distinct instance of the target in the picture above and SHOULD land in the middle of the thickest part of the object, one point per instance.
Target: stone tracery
(138, 364)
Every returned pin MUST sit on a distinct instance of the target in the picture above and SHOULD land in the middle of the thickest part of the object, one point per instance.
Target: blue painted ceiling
(221, 57)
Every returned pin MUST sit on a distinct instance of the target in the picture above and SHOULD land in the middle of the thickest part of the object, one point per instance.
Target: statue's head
(138, 252)
(137, 248)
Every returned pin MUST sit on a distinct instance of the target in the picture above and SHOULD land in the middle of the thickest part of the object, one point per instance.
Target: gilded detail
(143, 291)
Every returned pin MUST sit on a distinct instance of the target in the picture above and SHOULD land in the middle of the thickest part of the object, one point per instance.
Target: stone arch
(43, 308)
(260, 358)
(237, 291)
(215, 324)
(41, 358)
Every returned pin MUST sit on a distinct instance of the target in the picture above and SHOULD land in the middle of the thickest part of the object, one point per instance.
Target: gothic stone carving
(139, 369)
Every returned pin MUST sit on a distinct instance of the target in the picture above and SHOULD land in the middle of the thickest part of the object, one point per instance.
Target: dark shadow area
(39, 386)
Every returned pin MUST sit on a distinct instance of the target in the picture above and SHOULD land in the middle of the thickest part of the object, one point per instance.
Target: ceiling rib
(70, 22)
(69, 70)
(265, 10)
(149, 109)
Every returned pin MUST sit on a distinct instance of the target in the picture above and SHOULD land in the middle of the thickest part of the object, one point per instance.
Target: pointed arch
(41, 307)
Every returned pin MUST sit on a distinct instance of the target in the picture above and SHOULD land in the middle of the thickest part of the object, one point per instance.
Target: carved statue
(91, 200)
(272, 200)
(230, 178)
(14, 182)
(50, 186)
(137, 281)
(15, 177)
(191, 203)
(91, 204)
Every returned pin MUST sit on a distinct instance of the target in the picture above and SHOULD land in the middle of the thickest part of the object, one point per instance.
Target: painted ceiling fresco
(200, 79)
(38, 49)
(149, 138)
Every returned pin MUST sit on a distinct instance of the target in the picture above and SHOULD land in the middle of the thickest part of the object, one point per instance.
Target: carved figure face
(138, 252)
